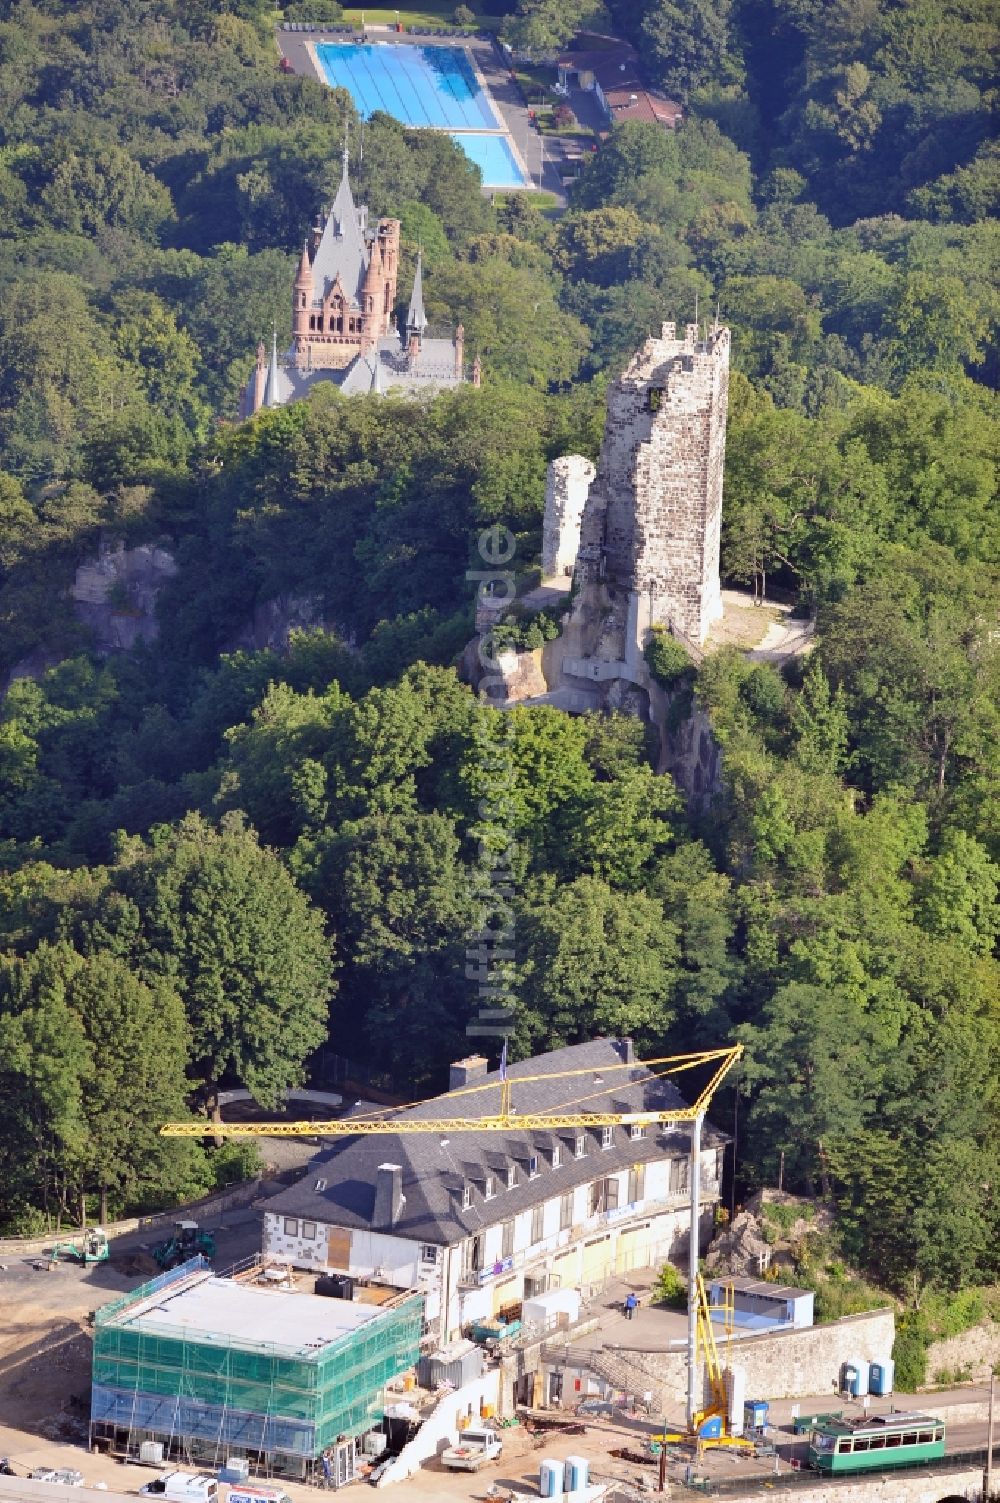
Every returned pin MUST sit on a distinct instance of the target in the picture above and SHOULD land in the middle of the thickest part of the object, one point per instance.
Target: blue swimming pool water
(494, 158)
(433, 86)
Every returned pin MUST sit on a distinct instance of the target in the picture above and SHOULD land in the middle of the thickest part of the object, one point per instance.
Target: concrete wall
(787, 1365)
(440, 1430)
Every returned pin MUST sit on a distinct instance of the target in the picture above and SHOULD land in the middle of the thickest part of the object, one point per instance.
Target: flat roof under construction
(207, 1308)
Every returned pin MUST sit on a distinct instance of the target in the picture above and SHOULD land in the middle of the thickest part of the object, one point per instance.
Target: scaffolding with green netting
(211, 1394)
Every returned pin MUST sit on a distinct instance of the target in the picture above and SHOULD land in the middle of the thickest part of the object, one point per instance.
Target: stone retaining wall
(977, 1349)
(243, 1194)
(787, 1365)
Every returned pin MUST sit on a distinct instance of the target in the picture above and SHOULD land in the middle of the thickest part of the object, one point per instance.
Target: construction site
(204, 1368)
(318, 1359)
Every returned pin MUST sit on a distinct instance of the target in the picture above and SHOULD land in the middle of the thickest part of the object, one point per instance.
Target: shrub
(670, 1288)
(313, 10)
(909, 1352)
(562, 116)
(464, 16)
(236, 1160)
(668, 661)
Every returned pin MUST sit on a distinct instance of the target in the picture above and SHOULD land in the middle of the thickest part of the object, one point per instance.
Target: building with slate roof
(343, 329)
(476, 1222)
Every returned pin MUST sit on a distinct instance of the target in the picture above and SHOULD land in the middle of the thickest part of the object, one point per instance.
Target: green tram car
(875, 1442)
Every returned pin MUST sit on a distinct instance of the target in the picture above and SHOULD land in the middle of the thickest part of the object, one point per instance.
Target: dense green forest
(215, 862)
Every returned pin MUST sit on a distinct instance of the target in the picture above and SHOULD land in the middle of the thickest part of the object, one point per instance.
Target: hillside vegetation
(212, 863)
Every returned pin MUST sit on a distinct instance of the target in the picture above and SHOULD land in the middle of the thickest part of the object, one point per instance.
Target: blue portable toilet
(577, 1471)
(881, 1376)
(550, 1478)
(854, 1378)
(754, 1415)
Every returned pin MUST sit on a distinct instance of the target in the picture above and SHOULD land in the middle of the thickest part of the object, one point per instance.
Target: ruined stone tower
(649, 538)
(566, 485)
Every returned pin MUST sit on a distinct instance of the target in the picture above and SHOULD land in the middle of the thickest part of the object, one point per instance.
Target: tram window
(842, 1446)
(894, 1440)
(939, 1434)
(925, 1437)
(911, 1439)
(878, 1441)
(861, 1443)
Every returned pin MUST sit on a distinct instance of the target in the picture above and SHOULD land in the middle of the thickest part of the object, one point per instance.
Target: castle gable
(342, 251)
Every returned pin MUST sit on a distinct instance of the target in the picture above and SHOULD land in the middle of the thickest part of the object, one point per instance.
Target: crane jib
(409, 1120)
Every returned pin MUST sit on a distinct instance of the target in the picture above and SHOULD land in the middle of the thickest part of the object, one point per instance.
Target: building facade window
(636, 1131)
(636, 1183)
(556, 1155)
(604, 1195)
(472, 1255)
(507, 1239)
(580, 1145)
(537, 1223)
(607, 1136)
(566, 1211)
(680, 1176)
(291, 1227)
(309, 1231)
(428, 1253)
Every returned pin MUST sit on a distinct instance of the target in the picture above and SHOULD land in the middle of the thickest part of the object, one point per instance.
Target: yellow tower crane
(506, 1118)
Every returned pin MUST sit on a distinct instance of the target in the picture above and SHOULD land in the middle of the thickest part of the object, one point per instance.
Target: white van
(183, 1487)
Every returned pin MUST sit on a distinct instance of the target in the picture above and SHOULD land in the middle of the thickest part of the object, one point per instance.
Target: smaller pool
(494, 158)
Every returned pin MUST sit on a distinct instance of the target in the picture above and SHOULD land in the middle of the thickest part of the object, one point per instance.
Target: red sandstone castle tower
(345, 289)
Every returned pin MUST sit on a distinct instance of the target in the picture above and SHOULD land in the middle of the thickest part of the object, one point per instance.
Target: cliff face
(115, 595)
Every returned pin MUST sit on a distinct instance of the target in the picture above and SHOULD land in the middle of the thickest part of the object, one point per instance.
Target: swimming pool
(433, 86)
(494, 158)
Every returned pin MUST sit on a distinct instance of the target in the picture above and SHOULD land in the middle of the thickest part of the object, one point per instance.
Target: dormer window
(467, 1198)
(556, 1155)
(580, 1145)
(636, 1131)
(511, 1176)
(490, 1189)
(533, 1166)
(607, 1136)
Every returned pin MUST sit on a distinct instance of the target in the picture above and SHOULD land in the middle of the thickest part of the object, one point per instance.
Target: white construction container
(547, 1312)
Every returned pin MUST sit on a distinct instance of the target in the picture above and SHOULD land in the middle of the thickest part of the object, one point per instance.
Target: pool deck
(535, 155)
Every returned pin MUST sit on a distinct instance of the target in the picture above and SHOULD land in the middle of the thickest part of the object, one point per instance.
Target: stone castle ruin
(566, 487)
(646, 538)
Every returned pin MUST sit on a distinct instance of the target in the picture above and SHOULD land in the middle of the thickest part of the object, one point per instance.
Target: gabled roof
(342, 250)
(436, 1170)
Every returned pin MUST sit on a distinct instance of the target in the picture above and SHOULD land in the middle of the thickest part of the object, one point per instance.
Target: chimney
(388, 1195)
(466, 1072)
(626, 1049)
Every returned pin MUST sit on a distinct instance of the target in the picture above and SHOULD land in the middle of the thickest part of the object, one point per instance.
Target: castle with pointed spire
(343, 300)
